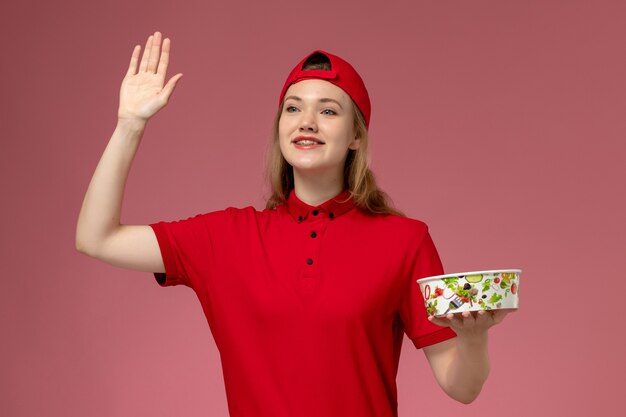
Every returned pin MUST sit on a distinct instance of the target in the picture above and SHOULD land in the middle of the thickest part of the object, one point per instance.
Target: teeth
(306, 142)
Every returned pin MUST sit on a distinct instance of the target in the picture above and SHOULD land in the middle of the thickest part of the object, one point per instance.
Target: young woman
(309, 299)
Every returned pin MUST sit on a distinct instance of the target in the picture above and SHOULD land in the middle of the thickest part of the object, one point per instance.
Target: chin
(304, 166)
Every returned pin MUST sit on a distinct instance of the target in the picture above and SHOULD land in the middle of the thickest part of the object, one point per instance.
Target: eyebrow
(321, 100)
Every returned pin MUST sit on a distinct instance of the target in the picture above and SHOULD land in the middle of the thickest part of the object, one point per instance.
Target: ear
(356, 143)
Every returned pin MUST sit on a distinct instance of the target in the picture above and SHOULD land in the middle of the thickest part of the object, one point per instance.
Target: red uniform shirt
(307, 304)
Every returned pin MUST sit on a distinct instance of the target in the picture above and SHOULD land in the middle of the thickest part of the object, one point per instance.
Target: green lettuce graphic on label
(471, 291)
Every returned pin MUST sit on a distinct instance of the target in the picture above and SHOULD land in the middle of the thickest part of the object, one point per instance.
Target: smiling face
(319, 110)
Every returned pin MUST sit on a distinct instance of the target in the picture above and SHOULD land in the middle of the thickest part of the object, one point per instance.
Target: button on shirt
(307, 305)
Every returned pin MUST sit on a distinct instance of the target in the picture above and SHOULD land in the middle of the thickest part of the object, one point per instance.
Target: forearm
(468, 369)
(101, 208)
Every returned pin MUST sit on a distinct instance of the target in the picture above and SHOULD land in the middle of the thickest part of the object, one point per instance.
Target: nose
(307, 122)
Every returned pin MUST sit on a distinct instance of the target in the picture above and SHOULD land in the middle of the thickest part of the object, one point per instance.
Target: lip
(314, 139)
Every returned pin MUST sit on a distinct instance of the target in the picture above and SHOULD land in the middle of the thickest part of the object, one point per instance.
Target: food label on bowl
(481, 291)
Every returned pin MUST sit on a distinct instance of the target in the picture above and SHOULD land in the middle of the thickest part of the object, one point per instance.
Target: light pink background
(499, 123)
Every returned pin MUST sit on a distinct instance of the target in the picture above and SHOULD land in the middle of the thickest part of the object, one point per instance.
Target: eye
(288, 109)
(332, 112)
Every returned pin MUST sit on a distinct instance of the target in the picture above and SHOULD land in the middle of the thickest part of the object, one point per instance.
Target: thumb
(171, 84)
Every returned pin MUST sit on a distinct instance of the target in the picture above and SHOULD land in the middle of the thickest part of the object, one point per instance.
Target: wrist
(131, 123)
(473, 340)
(474, 351)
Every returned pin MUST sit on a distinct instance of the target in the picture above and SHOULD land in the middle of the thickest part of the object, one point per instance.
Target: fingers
(453, 320)
(146, 54)
(470, 323)
(154, 52)
(459, 320)
(165, 57)
(467, 321)
(499, 315)
(132, 67)
(439, 321)
(483, 318)
(153, 59)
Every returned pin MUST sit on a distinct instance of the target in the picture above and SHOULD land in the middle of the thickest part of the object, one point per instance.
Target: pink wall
(499, 123)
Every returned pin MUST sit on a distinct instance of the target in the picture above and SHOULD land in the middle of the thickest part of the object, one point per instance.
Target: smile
(307, 145)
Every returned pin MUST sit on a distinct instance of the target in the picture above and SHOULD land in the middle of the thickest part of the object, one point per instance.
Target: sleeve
(412, 310)
(187, 246)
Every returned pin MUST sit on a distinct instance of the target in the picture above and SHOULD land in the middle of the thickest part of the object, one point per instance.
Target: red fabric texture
(307, 305)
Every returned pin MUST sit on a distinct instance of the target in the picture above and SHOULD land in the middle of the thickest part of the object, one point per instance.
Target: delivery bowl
(471, 291)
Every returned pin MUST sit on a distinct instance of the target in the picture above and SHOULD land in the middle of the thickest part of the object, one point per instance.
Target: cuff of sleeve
(170, 277)
(435, 337)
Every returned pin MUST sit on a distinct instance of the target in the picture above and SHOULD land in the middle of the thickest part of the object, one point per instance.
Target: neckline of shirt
(333, 207)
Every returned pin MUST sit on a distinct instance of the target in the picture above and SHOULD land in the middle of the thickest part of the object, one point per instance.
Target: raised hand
(142, 93)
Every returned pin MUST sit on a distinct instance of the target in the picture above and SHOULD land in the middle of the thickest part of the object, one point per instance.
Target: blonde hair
(358, 178)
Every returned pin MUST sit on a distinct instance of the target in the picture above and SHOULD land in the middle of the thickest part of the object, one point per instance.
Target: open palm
(142, 93)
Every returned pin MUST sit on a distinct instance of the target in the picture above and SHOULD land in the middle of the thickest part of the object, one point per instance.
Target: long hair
(358, 178)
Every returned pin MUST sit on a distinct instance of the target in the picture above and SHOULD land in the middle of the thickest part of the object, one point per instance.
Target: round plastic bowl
(471, 291)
